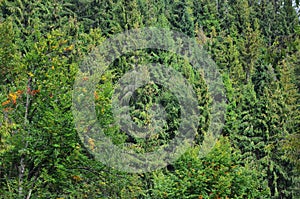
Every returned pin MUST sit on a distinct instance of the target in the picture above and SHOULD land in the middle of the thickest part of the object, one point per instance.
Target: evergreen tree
(255, 45)
(180, 15)
(206, 16)
(250, 48)
(8, 53)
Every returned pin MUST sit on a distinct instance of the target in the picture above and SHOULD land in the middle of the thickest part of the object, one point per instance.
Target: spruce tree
(180, 15)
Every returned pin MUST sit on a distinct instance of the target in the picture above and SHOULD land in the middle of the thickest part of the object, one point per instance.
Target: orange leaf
(8, 109)
(77, 178)
(5, 103)
(19, 92)
(34, 92)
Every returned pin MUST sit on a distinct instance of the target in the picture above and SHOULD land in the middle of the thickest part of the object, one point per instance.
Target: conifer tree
(180, 15)
(8, 53)
(250, 48)
(206, 16)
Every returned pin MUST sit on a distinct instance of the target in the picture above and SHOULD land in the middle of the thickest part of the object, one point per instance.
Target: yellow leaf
(92, 144)
(103, 78)
(13, 97)
(96, 95)
(70, 48)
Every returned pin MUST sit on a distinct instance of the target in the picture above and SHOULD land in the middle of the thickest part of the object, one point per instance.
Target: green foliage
(8, 52)
(255, 45)
(218, 175)
(181, 16)
(206, 16)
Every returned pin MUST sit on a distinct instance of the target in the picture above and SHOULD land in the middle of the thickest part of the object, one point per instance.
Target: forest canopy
(255, 45)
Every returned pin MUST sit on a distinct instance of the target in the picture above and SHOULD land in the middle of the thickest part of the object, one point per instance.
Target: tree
(218, 175)
(8, 52)
(206, 16)
(181, 16)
